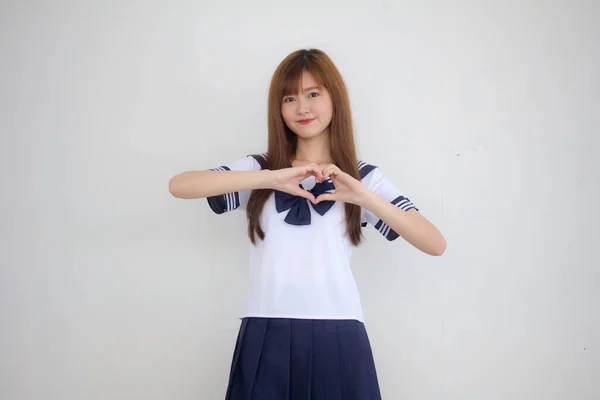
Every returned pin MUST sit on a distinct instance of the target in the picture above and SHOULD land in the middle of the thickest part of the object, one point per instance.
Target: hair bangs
(292, 78)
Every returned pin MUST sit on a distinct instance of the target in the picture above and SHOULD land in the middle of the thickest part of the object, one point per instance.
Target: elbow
(439, 248)
(173, 187)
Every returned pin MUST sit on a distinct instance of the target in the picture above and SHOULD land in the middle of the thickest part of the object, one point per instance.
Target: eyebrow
(311, 88)
(307, 89)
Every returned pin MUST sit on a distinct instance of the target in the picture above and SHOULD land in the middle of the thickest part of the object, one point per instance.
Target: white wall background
(485, 113)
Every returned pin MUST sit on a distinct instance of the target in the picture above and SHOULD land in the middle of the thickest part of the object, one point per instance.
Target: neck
(316, 150)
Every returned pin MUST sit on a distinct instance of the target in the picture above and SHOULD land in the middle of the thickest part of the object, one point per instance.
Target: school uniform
(302, 334)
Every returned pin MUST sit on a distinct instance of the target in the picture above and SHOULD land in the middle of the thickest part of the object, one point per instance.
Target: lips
(306, 121)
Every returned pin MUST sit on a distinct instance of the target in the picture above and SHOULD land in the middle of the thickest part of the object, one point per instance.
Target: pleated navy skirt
(293, 359)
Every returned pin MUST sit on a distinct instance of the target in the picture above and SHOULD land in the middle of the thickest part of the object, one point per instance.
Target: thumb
(326, 197)
(304, 193)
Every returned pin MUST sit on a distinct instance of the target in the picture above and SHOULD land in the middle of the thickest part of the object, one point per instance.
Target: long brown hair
(282, 141)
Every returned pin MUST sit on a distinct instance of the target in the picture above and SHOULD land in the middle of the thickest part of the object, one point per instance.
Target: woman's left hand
(347, 189)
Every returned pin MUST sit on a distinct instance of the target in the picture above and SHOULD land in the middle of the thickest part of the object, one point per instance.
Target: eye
(288, 99)
(315, 94)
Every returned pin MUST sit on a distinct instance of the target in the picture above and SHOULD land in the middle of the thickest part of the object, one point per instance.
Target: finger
(314, 170)
(330, 170)
(317, 172)
(305, 171)
(326, 197)
(306, 194)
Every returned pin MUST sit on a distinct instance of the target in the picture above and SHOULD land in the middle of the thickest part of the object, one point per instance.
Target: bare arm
(410, 225)
(201, 184)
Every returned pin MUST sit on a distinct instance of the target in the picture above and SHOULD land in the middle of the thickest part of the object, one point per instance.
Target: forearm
(201, 184)
(410, 225)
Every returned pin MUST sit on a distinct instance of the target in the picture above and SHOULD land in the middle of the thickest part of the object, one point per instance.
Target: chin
(308, 133)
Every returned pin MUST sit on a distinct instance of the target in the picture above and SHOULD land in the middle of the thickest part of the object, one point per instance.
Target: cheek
(326, 111)
(325, 106)
(285, 113)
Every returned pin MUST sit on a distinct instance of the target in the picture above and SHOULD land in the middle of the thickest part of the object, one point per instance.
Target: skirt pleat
(327, 366)
(302, 359)
(272, 377)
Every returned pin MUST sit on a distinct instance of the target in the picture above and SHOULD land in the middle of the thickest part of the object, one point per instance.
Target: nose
(303, 106)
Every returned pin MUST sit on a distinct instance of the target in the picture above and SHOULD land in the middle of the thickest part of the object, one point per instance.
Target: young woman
(302, 335)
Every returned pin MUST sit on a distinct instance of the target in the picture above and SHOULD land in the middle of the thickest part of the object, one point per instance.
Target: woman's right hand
(288, 180)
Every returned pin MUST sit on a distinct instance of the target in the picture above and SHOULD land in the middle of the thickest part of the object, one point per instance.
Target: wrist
(367, 199)
(267, 179)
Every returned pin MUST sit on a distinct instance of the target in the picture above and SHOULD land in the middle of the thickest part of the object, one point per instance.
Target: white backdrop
(486, 114)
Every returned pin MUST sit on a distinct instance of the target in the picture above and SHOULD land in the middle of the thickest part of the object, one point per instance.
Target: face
(308, 113)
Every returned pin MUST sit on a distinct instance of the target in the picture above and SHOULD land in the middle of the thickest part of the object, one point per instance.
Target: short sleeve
(373, 178)
(236, 200)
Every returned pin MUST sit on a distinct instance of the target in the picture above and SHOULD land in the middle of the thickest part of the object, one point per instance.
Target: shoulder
(366, 170)
(251, 162)
(260, 159)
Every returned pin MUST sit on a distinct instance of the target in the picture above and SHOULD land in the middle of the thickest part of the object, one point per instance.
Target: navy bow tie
(299, 213)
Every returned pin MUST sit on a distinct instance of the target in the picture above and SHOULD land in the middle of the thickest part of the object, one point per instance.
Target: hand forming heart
(347, 189)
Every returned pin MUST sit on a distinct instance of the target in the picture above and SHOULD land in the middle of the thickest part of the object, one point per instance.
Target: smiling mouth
(305, 121)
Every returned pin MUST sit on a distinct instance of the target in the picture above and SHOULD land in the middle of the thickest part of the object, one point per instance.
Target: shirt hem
(295, 316)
